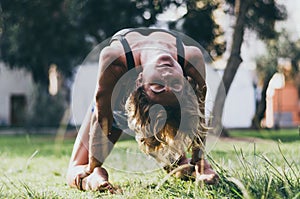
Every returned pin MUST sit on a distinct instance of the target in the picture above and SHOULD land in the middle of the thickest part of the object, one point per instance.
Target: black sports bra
(120, 36)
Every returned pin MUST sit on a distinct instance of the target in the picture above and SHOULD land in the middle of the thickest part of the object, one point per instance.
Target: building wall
(15, 82)
(239, 106)
(286, 105)
(83, 90)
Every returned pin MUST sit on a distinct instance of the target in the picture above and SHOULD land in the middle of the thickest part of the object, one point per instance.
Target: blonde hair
(166, 132)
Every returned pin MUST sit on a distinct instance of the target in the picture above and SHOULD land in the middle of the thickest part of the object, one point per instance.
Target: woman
(165, 109)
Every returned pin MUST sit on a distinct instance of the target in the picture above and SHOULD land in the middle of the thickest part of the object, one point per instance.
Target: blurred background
(254, 45)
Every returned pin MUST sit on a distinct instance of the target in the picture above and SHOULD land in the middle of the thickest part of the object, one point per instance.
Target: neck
(150, 57)
(147, 57)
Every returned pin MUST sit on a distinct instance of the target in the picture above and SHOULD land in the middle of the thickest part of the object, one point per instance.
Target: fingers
(79, 179)
(98, 181)
(107, 186)
(209, 176)
(78, 182)
(209, 179)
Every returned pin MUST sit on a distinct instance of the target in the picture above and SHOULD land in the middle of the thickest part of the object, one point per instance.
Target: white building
(16, 87)
(83, 91)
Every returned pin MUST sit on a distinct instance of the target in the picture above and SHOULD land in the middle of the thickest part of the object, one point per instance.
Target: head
(162, 80)
(162, 83)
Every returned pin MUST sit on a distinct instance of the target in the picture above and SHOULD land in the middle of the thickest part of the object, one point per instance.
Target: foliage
(248, 168)
(262, 16)
(281, 47)
(200, 17)
(36, 34)
(101, 19)
(144, 13)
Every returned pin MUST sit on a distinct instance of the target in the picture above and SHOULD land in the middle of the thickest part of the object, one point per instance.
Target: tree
(259, 16)
(267, 66)
(143, 13)
(200, 17)
(36, 34)
(101, 19)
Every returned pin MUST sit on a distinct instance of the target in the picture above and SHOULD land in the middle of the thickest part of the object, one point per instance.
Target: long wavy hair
(165, 132)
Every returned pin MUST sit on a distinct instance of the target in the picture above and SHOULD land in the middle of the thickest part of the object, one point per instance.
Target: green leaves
(37, 34)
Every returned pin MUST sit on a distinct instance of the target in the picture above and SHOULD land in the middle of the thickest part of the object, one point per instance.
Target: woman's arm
(95, 138)
(195, 68)
(102, 139)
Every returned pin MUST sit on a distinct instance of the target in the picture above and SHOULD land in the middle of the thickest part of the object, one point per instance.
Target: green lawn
(251, 164)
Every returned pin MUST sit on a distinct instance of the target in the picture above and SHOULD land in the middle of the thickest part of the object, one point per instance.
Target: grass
(251, 164)
(284, 135)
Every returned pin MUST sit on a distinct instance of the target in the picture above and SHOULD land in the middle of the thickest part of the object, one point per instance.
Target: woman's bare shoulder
(111, 54)
(194, 61)
(112, 58)
(192, 52)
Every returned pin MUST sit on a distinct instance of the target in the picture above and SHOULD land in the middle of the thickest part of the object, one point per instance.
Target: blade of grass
(269, 186)
(282, 176)
(30, 158)
(278, 174)
(297, 196)
(242, 162)
(215, 164)
(287, 162)
(10, 181)
(29, 191)
(181, 167)
(241, 187)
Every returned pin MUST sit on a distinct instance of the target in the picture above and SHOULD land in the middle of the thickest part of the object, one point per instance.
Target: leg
(79, 158)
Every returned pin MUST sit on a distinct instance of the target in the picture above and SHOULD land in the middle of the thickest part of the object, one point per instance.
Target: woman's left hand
(206, 173)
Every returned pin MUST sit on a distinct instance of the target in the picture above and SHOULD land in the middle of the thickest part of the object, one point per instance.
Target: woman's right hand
(98, 181)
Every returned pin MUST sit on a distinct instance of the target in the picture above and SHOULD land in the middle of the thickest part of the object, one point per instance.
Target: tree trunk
(233, 63)
(262, 105)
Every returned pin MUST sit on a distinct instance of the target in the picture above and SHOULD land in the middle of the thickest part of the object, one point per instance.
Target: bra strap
(180, 53)
(128, 52)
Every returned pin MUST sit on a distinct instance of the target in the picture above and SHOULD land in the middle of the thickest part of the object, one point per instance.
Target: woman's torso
(147, 39)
